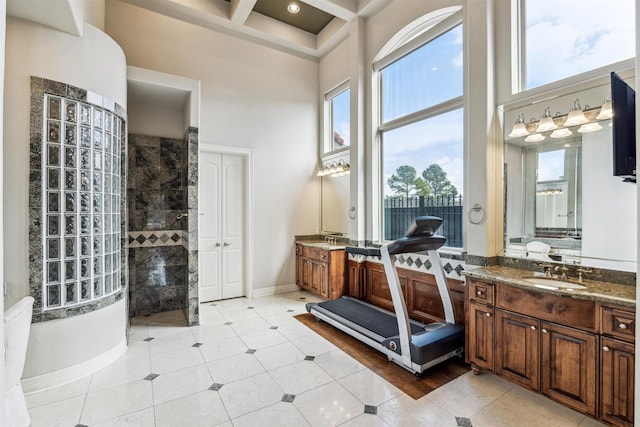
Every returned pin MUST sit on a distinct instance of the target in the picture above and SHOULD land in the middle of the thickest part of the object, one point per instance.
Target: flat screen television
(623, 103)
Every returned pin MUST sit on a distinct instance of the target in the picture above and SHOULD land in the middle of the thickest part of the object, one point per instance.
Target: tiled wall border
(156, 238)
(40, 86)
(419, 262)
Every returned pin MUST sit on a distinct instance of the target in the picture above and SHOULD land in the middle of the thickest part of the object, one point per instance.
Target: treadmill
(413, 345)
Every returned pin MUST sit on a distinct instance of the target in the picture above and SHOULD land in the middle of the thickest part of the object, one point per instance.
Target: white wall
(251, 97)
(155, 120)
(3, 8)
(93, 62)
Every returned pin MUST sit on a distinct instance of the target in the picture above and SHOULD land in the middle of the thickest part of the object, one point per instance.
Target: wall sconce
(587, 118)
(335, 169)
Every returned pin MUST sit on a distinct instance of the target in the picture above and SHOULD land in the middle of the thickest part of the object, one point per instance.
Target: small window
(340, 114)
(569, 37)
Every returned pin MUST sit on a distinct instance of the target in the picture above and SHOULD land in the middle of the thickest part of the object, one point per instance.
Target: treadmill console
(423, 226)
(420, 237)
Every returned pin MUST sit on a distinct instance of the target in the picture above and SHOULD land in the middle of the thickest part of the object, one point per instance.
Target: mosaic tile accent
(216, 386)
(148, 339)
(76, 186)
(151, 377)
(370, 409)
(273, 327)
(419, 262)
(463, 422)
(156, 238)
(309, 358)
(250, 351)
(198, 344)
(289, 398)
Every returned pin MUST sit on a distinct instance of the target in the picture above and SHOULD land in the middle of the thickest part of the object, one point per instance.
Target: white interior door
(221, 229)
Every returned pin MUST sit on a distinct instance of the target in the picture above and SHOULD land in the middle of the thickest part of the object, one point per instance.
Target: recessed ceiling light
(293, 7)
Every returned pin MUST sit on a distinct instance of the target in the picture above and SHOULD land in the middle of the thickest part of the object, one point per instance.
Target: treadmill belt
(378, 322)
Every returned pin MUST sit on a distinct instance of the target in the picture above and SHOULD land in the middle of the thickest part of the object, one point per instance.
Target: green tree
(405, 181)
(435, 180)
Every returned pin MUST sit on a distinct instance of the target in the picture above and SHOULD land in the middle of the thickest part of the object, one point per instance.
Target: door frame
(247, 154)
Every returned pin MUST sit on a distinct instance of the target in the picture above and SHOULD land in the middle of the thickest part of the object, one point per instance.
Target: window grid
(81, 203)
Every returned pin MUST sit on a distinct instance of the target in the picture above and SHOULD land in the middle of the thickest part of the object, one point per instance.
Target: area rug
(376, 361)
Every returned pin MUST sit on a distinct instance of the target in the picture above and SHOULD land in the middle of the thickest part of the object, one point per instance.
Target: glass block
(117, 123)
(115, 238)
(70, 157)
(97, 139)
(70, 247)
(85, 246)
(115, 261)
(97, 118)
(85, 181)
(53, 108)
(53, 131)
(85, 202)
(53, 179)
(85, 268)
(53, 201)
(97, 223)
(85, 114)
(115, 222)
(71, 296)
(97, 203)
(70, 202)
(107, 143)
(53, 225)
(53, 272)
(97, 287)
(107, 244)
(85, 224)
(115, 185)
(107, 183)
(97, 182)
(70, 136)
(53, 155)
(107, 203)
(70, 225)
(85, 137)
(115, 281)
(70, 270)
(107, 284)
(85, 290)
(107, 163)
(97, 266)
(107, 264)
(53, 248)
(97, 245)
(53, 295)
(85, 159)
(107, 121)
(71, 111)
(116, 146)
(97, 160)
(70, 179)
(115, 203)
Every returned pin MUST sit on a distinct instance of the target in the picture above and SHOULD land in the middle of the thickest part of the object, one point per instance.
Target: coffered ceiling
(317, 28)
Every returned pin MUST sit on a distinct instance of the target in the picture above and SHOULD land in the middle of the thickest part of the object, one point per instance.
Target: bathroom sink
(551, 283)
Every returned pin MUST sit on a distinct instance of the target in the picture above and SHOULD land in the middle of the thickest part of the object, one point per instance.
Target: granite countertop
(322, 244)
(595, 290)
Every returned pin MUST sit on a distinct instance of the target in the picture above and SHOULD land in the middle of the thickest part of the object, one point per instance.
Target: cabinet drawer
(315, 253)
(481, 292)
(618, 323)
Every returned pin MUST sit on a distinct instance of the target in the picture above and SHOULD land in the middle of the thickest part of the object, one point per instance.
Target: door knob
(218, 245)
(227, 244)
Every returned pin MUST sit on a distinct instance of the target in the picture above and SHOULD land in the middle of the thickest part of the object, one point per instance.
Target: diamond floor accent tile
(303, 298)
(81, 425)
(370, 409)
(213, 304)
(196, 345)
(250, 351)
(216, 386)
(250, 308)
(288, 397)
(148, 339)
(228, 323)
(463, 422)
(290, 311)
(309, 358)
(151, 377)
(273, 327)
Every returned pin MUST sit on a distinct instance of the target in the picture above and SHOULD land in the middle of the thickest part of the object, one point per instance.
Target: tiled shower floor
(251, 364)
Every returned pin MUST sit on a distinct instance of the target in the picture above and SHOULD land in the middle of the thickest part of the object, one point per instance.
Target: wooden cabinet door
(299, 270)
(480, 344)
(357, 279)
(517, 348)
(569, 373)
(617, 380)
(319, 280)
(307, 273)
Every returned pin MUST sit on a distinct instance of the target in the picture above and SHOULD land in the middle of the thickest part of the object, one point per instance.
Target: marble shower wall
(158, 202)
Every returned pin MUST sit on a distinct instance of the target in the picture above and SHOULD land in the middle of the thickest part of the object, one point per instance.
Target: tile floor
(251, 364)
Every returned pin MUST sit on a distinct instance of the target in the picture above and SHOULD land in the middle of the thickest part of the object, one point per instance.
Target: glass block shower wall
(77, 171)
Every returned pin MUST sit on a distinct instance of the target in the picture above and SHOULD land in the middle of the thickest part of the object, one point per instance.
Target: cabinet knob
(479, 293)
(544, 331)
(533, 328)
(488, 314)
(622, 326)
(605, 348)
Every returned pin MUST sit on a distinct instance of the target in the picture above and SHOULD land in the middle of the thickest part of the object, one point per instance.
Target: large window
(421, 134)
(338, 102)
(568, 37)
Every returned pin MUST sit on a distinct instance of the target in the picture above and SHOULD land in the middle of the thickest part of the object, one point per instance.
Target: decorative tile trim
(157, 238)
(418, 262)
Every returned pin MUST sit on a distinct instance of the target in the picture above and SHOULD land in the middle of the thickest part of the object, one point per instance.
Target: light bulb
(536, 137)
(546, 122)
(560, 133)
(589, 127)
(576, 115)
(606, 111)
(519, 129)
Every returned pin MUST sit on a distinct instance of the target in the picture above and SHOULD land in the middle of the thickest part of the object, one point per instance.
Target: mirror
(562, 192)
(335, 204)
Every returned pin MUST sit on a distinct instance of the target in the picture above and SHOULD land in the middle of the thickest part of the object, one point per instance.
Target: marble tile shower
(158, 224)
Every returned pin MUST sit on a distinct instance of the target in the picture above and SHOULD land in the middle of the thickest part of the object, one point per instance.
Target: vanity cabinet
(321, 271)
(575, 351)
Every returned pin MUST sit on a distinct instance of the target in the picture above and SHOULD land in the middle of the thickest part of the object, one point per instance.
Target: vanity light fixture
(334, 169)
(535, 137)
(560, 133)
(606, 111)
(520, 128)
(293, 7)
(589, 127)
(546, 122)
(576, 115)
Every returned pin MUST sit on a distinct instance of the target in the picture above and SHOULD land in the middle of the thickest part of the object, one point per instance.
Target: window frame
(411, 42)
(329, 96)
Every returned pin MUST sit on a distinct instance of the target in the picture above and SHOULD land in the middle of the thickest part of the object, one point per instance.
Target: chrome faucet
(564, 270)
